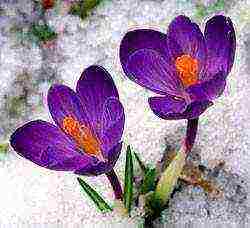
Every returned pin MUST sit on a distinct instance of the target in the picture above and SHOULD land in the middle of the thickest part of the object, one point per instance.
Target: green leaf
(82, 8)
(201, 11)
(3, 150)
(94, 196)
(141, 164)
(168, 179)
(4, 147)
(148, 183)
(128, 185)
(217, 6)
(90, 4)
(43, 32)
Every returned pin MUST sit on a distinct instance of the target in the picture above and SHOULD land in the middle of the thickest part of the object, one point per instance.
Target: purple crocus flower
(186, 68)
(89, 124)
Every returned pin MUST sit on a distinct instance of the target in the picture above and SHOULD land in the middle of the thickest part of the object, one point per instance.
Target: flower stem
(115, 183)
(191, 132)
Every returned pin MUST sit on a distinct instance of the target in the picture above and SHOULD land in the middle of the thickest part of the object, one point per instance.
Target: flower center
(83, 136)
(187, 68)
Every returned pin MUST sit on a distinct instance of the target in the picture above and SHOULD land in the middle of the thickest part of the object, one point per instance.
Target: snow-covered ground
(30, 194)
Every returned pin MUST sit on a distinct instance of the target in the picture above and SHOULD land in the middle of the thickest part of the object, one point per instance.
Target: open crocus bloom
(188, 69)
(88, 130)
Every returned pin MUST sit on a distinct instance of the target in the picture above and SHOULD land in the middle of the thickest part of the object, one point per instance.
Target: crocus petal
(221, 44)
(168, 108)
(47, 146)
(99, 167)
(208, 90)
(94, 87)
(141, 39)
(167, 105)
(186, 38)
(62, 102)
(195, 109)
(149, 69)
(112, 124)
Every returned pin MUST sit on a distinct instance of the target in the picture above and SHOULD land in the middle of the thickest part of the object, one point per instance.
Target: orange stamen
(83, 136)
(187, 68)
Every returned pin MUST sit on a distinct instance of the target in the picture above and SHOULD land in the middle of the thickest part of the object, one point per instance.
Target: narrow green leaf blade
(141, 164)
(128, 185)
(148, 183)
(94, 196)
(168, 179)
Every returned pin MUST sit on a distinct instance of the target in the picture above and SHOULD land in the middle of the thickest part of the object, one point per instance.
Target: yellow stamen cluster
(82, 135)
(187, 68)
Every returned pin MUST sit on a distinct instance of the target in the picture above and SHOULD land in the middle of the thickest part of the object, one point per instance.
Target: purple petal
(149, 69)
(168, 108)
(112, 124)
(195, 109)
(208, 90)
(167, 104)
(141, 39)
(185, 37)
(221, 43)
(62, 102)
(94, 87)
(47, 146)
(99, 167)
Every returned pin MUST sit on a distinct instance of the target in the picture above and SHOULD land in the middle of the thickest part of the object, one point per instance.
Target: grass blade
(128, 185)
(148, 183)
(141, 164)
(94, 196)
